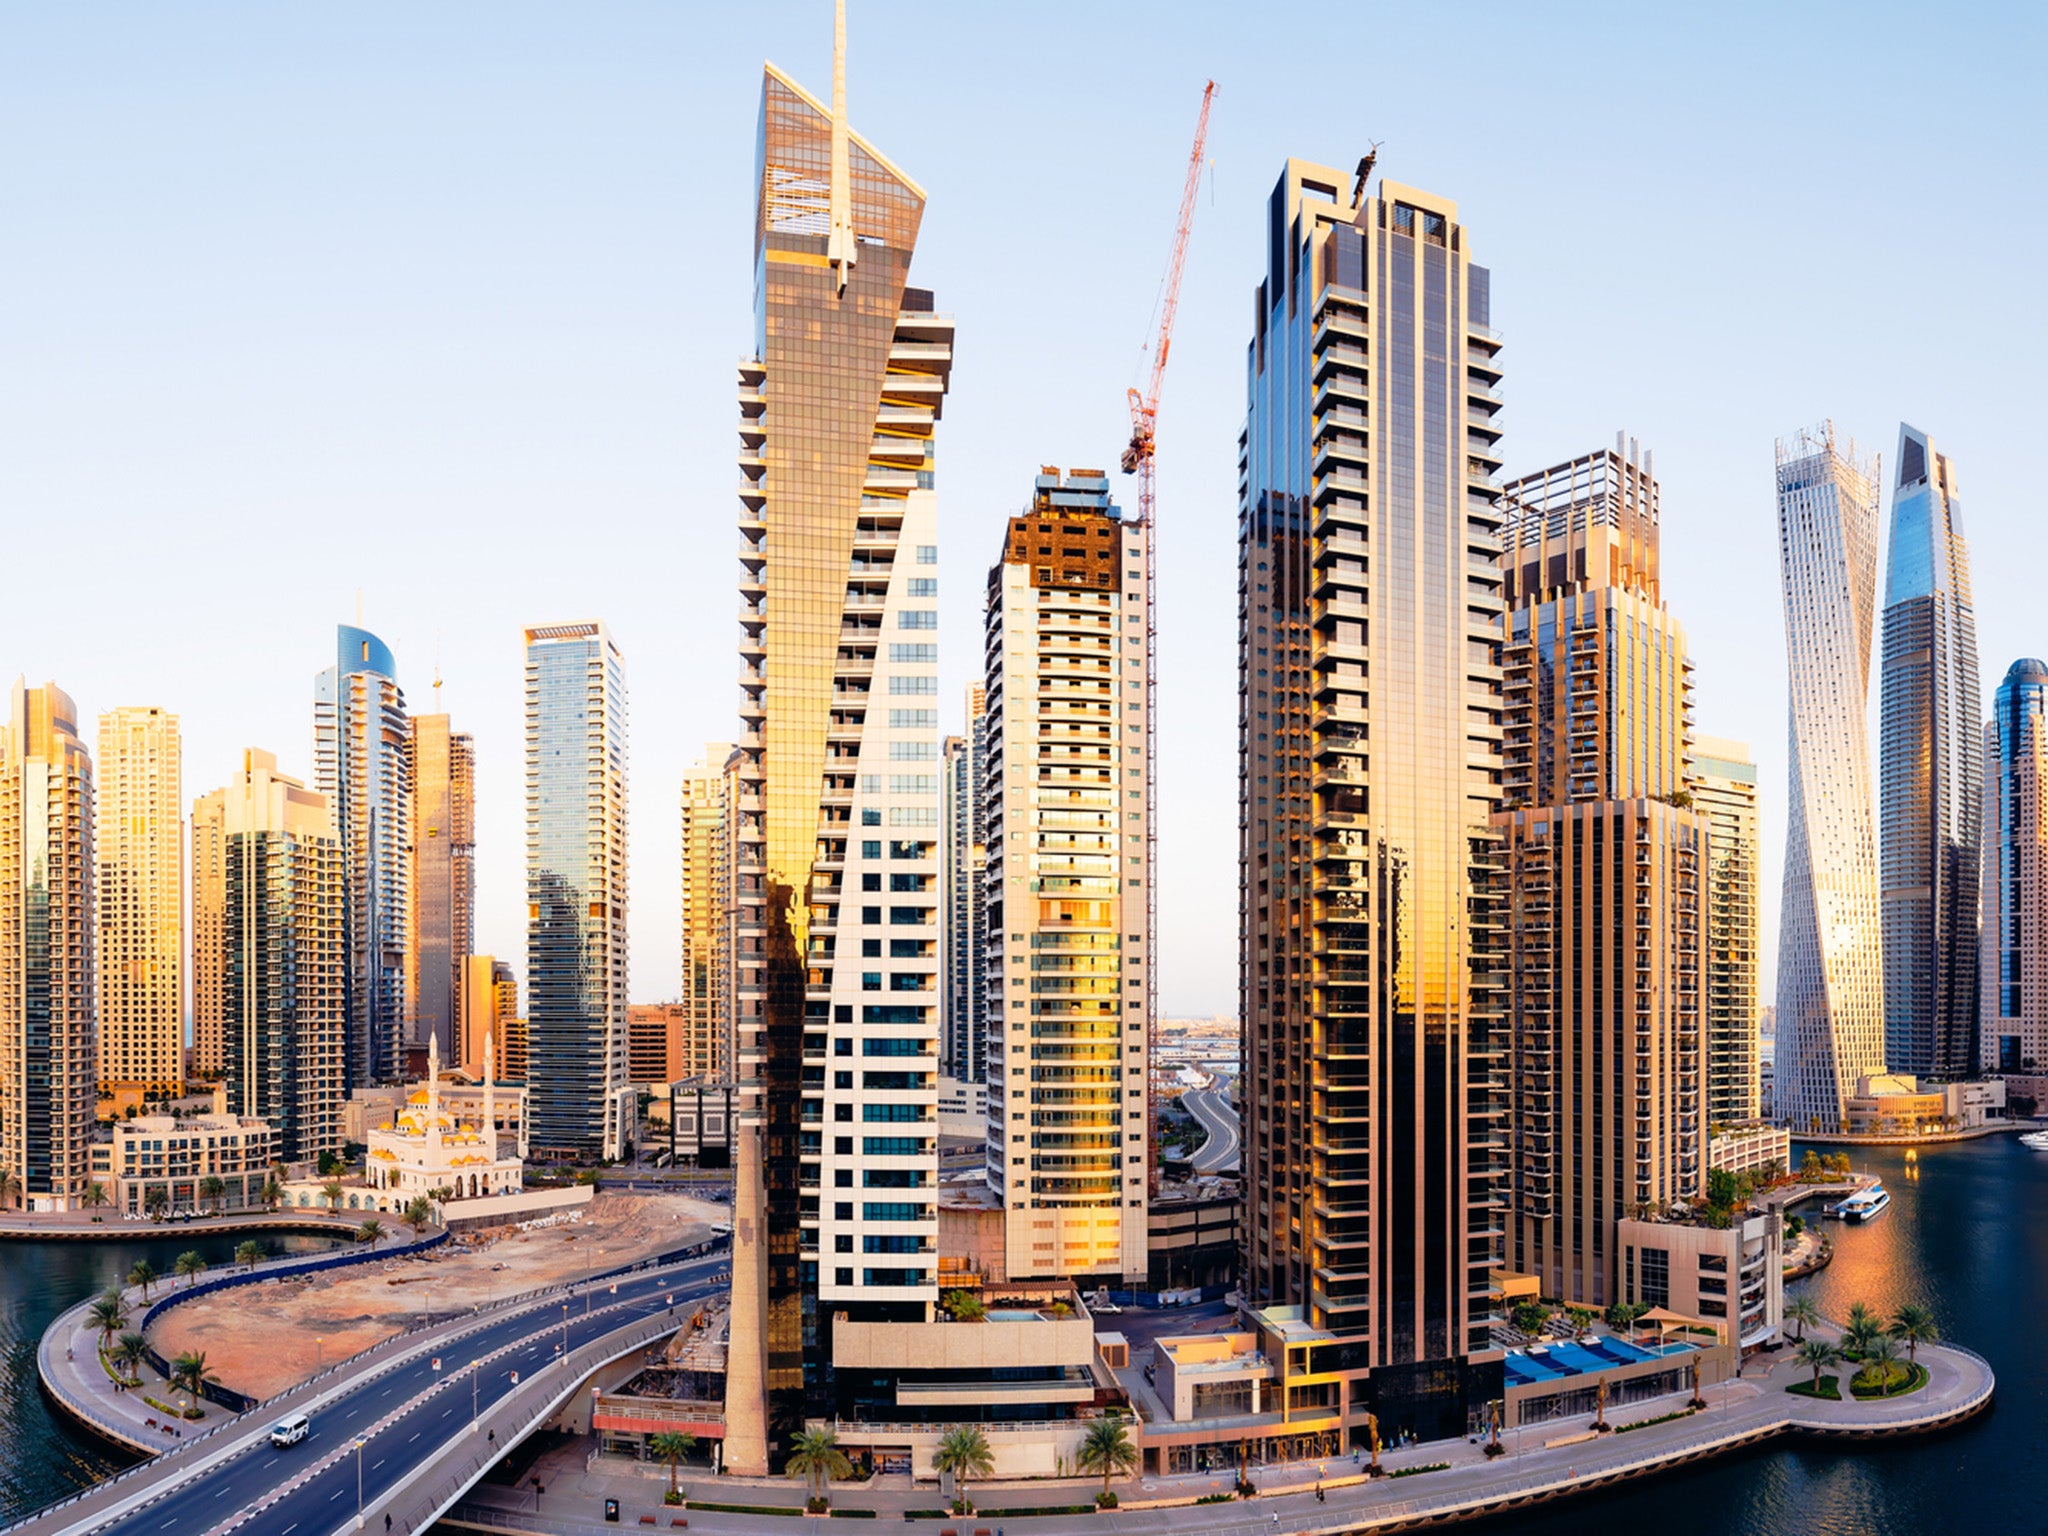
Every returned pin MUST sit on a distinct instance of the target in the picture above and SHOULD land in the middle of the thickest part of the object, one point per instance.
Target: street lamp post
(565, 1334)
(475, 1372)
(359, 1484)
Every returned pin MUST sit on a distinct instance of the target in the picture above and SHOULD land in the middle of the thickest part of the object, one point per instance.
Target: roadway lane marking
(415, 1435)
(287, 1531)
(378, 1463)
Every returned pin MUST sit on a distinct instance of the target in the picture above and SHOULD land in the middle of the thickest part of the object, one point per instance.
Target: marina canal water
(43, 1456)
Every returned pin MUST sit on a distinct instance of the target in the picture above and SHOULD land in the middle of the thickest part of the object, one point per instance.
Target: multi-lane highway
(327, 1501)
(1214, 1112)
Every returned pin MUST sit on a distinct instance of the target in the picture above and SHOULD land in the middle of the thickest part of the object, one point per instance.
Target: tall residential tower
(1830, 975)
(709, 822)
(577, 1094)
(1724, 791)
(1930, 773)
(963, 1046)
(1066, 895)
(441, 765)
(360, 736)
(141, 891)
(1370, 628)
(49, 1049)
(838, 1008)
(2014, 883)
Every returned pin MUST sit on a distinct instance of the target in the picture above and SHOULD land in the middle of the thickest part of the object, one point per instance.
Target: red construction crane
(1138, 461)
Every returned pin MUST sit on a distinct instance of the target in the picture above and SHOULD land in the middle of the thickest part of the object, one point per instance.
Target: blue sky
(442, 304)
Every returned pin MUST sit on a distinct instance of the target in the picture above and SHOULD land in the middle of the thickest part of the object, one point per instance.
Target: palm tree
(95, 1195)
(1819, 1354)
(1863, 1326)
(143, 1273)
(249, 1254)
(271, 1193)
(1914, 1326)
(1879, 1357)
(131, 1349)
(331, 1193)
(371, 1232)
(157, 1203)
(107, 1314)
(1804, 1311)
(964, 1453)
(816, 1458)
(190, 1374)
(10, 1185)
(214, 1188)
(965, 1306)
(1107, 1449)
(190, 1265)
(1581, 1318)
(419, 1214)
(671, 1446)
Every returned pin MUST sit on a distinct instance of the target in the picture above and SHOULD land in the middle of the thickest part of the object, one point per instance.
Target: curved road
(326, 1502)
(1213, 1110)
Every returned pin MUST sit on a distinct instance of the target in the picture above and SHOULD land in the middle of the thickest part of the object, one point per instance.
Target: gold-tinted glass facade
(836, 422)
(1370, 631)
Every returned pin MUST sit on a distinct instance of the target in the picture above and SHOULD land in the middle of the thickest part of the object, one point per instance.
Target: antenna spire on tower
(839, 242)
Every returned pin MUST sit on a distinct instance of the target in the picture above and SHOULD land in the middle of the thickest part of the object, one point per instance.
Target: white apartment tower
(1066, 893)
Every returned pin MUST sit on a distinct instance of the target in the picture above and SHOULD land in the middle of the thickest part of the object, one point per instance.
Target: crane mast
(1137, 460)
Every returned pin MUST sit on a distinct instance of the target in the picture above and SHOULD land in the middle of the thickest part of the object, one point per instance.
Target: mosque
(426, 1150)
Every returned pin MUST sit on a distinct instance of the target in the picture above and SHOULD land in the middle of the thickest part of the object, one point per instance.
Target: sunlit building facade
(490, 1000)
(576, 887)
(49, 1047)
(963, 1043)
(1606, 868)
(1830, 1028)
(709, 822)
(838, 840)
(360, 738)
(2014, 886)
(139, 843)
(1370, 630)
(1067, 888)
(441, 766)
(1724, 791)
(275, 960)
(1930, 773)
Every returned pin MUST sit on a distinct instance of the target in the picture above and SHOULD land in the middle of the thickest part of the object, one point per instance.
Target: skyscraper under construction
(1370, 630)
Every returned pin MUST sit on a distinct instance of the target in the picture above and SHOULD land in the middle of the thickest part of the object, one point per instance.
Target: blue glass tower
(1930, 774)
(2015, 1017)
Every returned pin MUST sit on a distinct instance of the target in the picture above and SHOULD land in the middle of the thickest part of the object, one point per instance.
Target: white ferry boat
(1864, 1204)
(2037, 1140)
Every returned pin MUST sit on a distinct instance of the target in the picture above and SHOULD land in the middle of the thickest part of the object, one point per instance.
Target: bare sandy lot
(264, 1339)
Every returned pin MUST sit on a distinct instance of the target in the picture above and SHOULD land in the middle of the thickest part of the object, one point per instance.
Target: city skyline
(315, 404)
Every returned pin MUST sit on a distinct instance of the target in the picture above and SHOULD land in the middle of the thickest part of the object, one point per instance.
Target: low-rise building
(1898, 1104)
(696, 1120)
(1688, 1271)
(963, 1110)
(176, 1155)
(1749, 1148)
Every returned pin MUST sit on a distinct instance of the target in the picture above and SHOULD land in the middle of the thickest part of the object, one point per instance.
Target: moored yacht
(1864, 1204)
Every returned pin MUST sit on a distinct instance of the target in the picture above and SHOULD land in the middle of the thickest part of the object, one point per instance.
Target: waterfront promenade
(79, 1227)
(1540, 1464)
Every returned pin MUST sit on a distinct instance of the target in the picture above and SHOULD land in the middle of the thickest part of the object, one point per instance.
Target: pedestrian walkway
(1536, 1464)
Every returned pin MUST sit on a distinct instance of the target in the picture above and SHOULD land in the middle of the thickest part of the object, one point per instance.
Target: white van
(288, 1432)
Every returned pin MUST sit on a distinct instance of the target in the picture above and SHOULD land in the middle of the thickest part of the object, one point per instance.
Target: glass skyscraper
(1370, 633)
(1930, 773)
(360, 735)
(838, 841)
(1830, 1027)
(2014, 883)
(1724, 790)
(576, 880)
(441, 766)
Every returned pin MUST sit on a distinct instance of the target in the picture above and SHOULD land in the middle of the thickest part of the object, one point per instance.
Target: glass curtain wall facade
(279, 968)
(141, 895)
(576, 880)
(1606, 865)
(1067, 886)
(1724, 791)
(709, 815)
(441, 765)
(360, 736)
(2014, 883)
(49, 1046)
(1370, 629)
(1930, 773)
(839, 920)
(1830, 1019)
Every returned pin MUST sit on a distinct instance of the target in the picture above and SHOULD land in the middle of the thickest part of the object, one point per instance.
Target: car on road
(290, 1431)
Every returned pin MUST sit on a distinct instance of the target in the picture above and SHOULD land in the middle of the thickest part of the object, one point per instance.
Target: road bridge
(1214, 1112)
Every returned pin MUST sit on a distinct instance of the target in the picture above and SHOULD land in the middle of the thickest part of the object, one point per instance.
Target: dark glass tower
(1930, 774)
